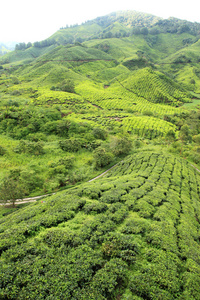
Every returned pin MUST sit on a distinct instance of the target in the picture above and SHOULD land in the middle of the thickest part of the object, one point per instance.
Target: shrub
(106, 280)
(67, 86)
(121, 145)
(30, 148)
(102, 157)
(95, 208)
(71, 145)
(36, 137)
(99, 133)
(2, 151)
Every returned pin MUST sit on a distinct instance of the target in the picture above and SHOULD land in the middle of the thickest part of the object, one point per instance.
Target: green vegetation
(121, 90)
(109, 238)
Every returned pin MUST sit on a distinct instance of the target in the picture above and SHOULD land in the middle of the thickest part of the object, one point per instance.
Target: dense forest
(118, 97)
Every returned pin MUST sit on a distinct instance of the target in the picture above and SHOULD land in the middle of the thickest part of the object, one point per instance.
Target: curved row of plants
(133, 235)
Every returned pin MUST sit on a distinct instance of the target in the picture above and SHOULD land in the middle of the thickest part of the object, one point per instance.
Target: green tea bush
(91, 191)
(136, 226)
(121, 246)
(141, 242)
(112, 196)
(147, 283)
(98, 208)
(111, 276)
(117, 212)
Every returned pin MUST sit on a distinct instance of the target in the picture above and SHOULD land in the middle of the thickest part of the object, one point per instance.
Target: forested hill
(120, 91)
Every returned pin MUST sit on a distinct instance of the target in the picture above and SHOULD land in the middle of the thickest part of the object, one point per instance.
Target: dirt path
(103, 173)
(34, 199)
(195, 168)
(26, 200)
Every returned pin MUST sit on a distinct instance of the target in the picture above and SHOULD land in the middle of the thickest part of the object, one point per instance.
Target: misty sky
(25, 20)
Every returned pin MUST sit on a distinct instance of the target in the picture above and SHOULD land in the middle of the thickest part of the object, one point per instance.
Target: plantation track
(104, 172)
(195, 168)
(34, 199)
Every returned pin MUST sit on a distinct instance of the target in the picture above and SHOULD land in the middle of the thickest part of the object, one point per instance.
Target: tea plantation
(117, 95)
(133, 234)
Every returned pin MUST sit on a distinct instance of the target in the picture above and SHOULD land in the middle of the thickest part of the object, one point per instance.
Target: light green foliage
(156, 87)
(99, 241)
(114, 86)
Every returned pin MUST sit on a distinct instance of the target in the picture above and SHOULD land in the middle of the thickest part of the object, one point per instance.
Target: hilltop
(123, 90)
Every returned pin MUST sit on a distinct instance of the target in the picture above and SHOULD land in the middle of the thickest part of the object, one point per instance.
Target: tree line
(41, 44)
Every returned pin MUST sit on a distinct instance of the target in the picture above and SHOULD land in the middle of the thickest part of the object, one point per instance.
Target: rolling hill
(122, 90)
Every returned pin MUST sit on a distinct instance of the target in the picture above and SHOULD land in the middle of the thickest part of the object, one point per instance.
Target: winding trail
(103, 173)
(26, 200)
(34, 199)
(195, 168)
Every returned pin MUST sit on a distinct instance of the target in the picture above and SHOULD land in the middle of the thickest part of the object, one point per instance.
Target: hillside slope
(124, 35)
(131, 235)
(118, 90)
(131, 74)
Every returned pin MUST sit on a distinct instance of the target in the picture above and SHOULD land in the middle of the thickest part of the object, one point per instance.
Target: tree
(196, 139)
(11, 190)
(108, 35)
(121, 145)
(185, 134)
(154, 31)
(29, 45)
(67, 86)
(171, 135)
(144, 31)
(99, 133)
(102, 157)
(136, 30)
